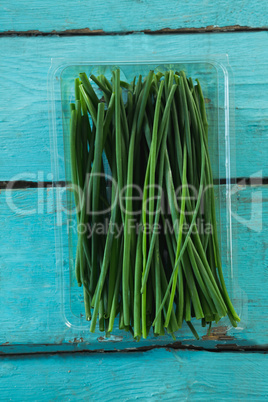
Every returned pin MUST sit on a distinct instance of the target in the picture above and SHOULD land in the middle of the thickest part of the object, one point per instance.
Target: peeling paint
(218, 334)
(77, 340)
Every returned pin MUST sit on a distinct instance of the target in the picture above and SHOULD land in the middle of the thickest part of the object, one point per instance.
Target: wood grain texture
(30, 297)
(129, 15)
(151, 376)
(25, 147)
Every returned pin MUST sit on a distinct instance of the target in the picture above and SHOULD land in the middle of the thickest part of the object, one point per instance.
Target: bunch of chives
(152, 268)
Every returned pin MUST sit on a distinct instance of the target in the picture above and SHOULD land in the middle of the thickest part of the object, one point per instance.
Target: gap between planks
(97, 32)
(22, 184)
(234, 348)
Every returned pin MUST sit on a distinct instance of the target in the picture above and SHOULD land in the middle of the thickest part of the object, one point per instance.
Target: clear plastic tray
(216, 81)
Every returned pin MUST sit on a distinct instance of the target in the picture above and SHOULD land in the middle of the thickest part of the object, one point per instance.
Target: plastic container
(216, 81)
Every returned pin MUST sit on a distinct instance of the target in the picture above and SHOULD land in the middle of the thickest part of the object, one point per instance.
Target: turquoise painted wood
(30, 288)
(31, 318)
(25, 147)
(129, 15)
(149, 376)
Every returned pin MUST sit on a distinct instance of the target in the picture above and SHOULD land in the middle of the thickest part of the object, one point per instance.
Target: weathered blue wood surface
(25, 146)
(148, 376)
(30, 313)
(129, 15)
(30, 296)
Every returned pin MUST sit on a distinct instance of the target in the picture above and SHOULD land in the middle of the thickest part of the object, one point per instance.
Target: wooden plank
(128, 15)
(30, 298)
(25, 147)
(150, 376)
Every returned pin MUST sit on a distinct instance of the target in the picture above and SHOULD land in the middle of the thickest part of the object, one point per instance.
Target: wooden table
(42, 358)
